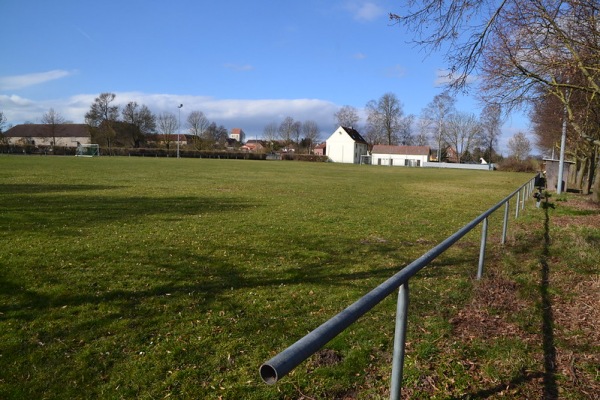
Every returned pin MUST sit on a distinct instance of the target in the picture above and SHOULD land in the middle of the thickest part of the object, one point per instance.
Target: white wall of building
(342, 148)
(398, 159)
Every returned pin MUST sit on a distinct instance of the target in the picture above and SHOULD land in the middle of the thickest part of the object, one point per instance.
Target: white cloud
(250, 115)
(365, 11)
(360, 56)
(16, 82)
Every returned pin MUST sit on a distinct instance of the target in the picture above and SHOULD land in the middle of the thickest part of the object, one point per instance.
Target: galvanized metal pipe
(399, 342)
(484, 229)
(505, 224)
(518, 204)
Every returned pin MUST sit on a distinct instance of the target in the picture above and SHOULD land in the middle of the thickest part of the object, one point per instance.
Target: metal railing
(280, 365)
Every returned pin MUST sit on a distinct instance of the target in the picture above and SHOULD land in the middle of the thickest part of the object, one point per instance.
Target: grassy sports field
(151, 278)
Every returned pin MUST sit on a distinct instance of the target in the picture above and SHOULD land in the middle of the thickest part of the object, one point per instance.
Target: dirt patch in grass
(484, 316)
(325, 357)
(586, 213)
(577, 320)
(589, 221)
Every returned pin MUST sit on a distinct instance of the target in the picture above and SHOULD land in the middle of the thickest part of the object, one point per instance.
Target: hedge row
(153, 152)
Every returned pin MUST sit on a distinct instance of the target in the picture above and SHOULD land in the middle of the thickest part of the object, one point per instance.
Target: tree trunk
(582, 169)
(596, 188)
(594, 171)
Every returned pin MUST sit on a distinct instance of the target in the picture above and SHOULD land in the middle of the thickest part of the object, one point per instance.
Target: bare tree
(2, 121)
(435, 116)
(422, 136)
(167, 125)
(270, 134)
(54, 124)
(515, 46)
(519, 146)
(2, 125)
(462, 131)
(491, 122)
(384, 119)
(405, 135)
(141, 122)
(289, 130)
(311, 133)
(197, 123)
(101, 118)
(347, 116)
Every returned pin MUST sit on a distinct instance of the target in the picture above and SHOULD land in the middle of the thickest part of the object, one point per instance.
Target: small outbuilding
(552, 167)
(408, 156)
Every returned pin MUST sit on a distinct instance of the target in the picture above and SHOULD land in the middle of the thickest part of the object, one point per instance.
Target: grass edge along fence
(284, 362)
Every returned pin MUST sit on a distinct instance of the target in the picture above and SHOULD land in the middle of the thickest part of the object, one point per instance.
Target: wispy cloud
(364, 11)
(445, 77)
(359, 56)
(84, 34)
(238, 67)
(16, 82)
(396, 71)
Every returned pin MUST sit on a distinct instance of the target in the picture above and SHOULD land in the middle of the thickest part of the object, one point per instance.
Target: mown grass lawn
(149, 278)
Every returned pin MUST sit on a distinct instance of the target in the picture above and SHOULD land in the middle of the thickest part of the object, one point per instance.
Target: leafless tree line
(535, 54)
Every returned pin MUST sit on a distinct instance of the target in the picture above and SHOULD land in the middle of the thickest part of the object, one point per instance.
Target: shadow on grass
(550, 387)
(41, 208)
(30, 188)
(523, 377)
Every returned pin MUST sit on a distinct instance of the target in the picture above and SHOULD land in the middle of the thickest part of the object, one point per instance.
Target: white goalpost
(87, 150)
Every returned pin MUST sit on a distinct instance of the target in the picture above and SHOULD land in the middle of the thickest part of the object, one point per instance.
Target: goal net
(87, 150)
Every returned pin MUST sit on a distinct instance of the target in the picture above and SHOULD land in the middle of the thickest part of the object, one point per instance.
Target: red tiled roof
(43, 130)
(406, 150)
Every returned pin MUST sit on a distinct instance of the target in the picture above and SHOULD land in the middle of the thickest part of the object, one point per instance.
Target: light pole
(178, 128)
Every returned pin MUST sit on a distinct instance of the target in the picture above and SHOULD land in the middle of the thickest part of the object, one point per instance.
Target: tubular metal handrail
(280, 365)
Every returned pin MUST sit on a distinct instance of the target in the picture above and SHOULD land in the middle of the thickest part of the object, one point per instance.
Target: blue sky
(243, 63)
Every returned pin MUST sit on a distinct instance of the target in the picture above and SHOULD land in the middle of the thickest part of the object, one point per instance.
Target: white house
(410, 156)
(346, 145)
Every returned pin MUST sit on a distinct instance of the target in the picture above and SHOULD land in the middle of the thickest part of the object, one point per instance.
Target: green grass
(147, 278)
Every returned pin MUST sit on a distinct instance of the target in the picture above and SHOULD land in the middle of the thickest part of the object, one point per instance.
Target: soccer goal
(87, 150)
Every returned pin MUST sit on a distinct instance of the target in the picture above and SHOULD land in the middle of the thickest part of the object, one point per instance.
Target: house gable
(346, 145)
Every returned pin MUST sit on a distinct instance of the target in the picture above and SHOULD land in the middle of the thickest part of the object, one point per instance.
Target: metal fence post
(518, 204)
(399, 342)
(505, 225)
(523, 198)
(484, 230)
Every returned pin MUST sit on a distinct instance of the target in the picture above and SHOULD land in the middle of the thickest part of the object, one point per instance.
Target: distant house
(171, 139)
(254, 146)
(320, 149)
(237, 134)
(64, 135)
(452, 155)
(409, 156)
(346, 145)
